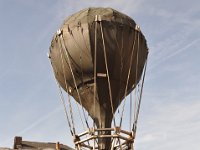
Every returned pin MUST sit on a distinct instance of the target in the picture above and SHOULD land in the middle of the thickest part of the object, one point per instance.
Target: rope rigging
(66, 86)
(107, 72)
(95, 69)
(140, 98)
(74, 80)
(129, 71)
(137, 104)
(102, 65)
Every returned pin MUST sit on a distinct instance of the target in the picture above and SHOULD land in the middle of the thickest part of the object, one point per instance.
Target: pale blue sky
(29, 102)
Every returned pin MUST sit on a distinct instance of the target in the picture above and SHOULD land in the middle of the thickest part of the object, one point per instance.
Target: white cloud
(172, 52)
(171, 125)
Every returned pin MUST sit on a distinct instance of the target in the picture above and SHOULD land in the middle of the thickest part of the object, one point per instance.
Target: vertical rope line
(95, 78)
(119, 143)
(106, 63)
(95, 69)
(121, 63)
(138, 109)
(66, 86)
(130, 124)
(61, 98)
(65, 110)
(136, 99)
(121, 67)
(129, 71)
(71, 112)
(74, 80)
(81, 66)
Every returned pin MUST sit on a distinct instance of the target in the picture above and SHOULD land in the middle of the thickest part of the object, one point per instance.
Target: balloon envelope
(73, 59)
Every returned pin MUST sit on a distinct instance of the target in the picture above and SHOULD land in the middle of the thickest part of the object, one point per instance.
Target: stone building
(20, 144)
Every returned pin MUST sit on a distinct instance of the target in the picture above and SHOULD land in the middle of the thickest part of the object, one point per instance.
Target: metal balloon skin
(98, 56)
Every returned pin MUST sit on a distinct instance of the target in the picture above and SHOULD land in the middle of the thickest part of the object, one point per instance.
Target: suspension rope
(66, 86)
(71, 112)
(69, 63)
(137, 97)
(138, 108)
(129, 71)
(121, 67)
(121, 60)
(74, 80)
(95, 70)
(106, 63)
(62, 100)
(118, 141)
(130, 113)
(72, 129)
(136, 71)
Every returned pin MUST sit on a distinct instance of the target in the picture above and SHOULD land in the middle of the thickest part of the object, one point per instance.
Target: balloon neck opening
(104, 122)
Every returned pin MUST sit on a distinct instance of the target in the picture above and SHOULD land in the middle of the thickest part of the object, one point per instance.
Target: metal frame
(120, 139)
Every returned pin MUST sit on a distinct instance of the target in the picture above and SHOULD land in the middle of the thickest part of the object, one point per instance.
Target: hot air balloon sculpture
(99, 58)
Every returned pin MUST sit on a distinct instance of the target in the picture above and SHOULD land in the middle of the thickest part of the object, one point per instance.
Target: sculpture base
(96, 139)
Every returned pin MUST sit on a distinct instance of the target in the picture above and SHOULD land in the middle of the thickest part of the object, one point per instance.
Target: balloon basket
(90, 139)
